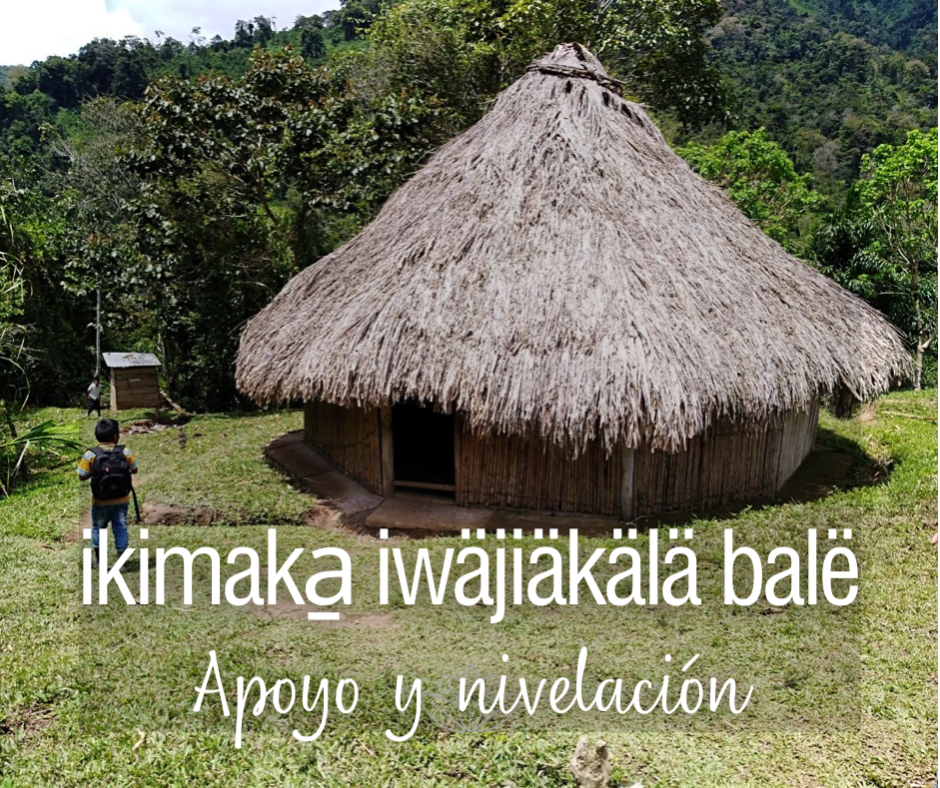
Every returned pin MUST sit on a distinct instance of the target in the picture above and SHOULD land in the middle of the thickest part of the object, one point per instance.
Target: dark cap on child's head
(106, 430)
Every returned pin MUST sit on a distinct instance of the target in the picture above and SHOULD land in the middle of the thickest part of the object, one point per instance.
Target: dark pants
(116, 515)
(94, 404)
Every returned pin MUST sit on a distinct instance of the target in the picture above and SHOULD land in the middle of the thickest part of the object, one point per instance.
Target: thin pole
(98, 335)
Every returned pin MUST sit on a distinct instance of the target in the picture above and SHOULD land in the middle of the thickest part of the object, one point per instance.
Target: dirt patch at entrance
(76, 534)
(318, 516)
(155, 424)
(143, 428)
(31, 720)
(170, 514)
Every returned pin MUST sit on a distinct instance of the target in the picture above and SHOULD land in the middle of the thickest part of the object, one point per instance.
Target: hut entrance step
(423, 449)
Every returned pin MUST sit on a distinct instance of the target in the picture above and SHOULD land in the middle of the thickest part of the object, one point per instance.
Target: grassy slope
(220, 469)
(104, 694)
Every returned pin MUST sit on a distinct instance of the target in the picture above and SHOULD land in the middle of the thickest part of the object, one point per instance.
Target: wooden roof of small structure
(129, 360)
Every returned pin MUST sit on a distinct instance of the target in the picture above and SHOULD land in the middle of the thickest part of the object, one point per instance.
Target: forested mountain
(188, 180)
(906, 25)
(830, 80)
(40, 93)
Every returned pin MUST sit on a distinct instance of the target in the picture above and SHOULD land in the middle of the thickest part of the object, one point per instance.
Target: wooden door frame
(387, 452)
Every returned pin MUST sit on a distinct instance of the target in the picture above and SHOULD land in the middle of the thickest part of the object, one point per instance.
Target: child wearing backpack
(109, 466)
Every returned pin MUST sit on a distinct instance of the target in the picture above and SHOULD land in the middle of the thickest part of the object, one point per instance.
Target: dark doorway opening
(423, 448)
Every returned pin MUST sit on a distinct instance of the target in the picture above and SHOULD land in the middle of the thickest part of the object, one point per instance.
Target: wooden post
(459, 498)
(626, 482)
(386, 451)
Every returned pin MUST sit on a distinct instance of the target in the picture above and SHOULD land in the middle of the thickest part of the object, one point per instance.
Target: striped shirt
(87, 463)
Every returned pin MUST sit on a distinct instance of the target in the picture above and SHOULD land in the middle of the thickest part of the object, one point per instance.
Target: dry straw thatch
(557, 268)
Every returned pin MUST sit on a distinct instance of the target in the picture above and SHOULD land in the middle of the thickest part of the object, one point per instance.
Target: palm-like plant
(46, 436)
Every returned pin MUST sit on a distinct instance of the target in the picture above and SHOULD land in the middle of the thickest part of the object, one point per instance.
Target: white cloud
(34, 29)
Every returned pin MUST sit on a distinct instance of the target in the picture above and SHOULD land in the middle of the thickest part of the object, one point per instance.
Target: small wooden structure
(555, 313)
(134, 382)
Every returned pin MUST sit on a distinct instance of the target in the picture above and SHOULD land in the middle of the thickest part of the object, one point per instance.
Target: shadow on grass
(835, 464)
(174, 418)
(863, 471)
(247, 414)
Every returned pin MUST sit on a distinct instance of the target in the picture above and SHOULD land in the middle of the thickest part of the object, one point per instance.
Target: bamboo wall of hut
(513, 472)
(799, 433)
(349, 437)
(726, 464)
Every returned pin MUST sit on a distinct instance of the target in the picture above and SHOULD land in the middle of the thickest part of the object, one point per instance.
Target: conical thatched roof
(558, 268)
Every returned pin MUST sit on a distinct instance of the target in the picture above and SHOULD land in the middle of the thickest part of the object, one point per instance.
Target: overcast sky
(34, 29)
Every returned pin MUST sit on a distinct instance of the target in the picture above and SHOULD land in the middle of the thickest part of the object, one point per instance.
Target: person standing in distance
(94, 396)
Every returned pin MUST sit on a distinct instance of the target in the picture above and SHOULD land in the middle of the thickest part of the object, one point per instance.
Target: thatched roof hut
(557, 276)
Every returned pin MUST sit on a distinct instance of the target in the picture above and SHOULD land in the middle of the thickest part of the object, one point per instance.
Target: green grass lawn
(104, 695)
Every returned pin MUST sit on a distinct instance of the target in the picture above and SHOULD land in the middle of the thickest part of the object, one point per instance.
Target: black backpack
(111, 474)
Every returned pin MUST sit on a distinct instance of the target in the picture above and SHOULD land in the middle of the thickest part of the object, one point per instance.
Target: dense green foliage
(266, 157)
(188, 181)
(42, 325)
(899, 190)
(758, 175)
(96, 197)
(830, 80)
(467, 51)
